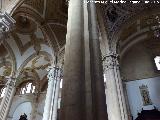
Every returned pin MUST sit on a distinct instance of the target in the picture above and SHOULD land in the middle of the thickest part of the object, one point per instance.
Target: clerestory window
(28, 88)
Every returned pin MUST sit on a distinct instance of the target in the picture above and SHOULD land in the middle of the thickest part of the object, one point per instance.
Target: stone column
(98, 88)
(127, 102)
(120, 88)
(49, 93)
(56, 94)
(115, 96)
(73, 97)
(83, 95)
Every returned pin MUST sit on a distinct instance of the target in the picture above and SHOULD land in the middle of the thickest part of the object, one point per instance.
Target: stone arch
(17, 104)
(115, 35)
(30, 58)
(14, 67)
(39, 20)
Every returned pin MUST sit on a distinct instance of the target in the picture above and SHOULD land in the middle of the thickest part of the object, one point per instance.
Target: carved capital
(11, 81)
(67, 2)
(110, 61)
(54, 73)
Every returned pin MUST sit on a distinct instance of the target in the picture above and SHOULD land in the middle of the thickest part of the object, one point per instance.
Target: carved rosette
(54, 73)
(110, 61)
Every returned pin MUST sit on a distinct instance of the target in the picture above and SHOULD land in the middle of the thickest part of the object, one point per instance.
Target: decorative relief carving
(145, 95)
(122, 14)
(11, 81)
(110, 61)
(54, 73)
(112, 14)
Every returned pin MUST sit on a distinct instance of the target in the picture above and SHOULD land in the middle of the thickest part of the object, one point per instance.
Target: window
(157, 62)
(28, 88)
(61, 83)
(3, 90)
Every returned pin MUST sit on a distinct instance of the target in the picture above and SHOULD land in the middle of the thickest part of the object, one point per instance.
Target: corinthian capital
(110, 61)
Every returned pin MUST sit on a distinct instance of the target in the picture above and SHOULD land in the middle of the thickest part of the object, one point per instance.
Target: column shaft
(49, 93)
(55, 105)
(98, 89)
(72, 105)
(113, 107)
(115, 96)
(122, 99)
(83, 94)
(53, 98)
(55, 95)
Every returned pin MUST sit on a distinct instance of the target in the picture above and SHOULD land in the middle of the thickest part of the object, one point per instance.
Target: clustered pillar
(117, 109)
(51, 102)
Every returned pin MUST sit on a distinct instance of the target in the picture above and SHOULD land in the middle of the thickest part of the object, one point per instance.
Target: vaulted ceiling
(39, 34)
(118, 16)
(126, 24)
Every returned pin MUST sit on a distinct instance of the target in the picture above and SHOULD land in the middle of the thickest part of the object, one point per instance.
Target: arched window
(27, 88)
(157, 62)
(3, 90)
(61, 83)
